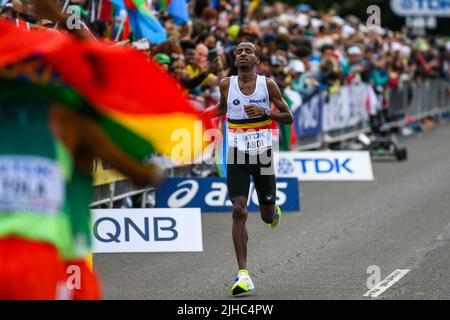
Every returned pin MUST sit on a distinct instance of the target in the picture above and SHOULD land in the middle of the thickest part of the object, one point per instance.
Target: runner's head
(246, 57)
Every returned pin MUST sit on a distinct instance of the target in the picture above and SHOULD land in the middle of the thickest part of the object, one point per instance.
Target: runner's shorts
(31, 270)
(242, 165)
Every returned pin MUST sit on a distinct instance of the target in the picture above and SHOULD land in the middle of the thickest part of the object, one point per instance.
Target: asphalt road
(401, 220)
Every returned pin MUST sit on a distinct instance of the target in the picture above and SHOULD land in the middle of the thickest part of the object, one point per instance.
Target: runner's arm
(284, 114)
(80, 133)
(220, 109)
(224, 86)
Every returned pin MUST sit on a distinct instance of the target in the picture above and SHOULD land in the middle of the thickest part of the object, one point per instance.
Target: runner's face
(245, 56)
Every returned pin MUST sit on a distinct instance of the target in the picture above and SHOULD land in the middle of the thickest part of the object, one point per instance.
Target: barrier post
(112, 188)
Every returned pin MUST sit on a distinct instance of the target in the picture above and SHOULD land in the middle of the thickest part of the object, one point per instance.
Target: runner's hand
(156, 174)
(253, 111)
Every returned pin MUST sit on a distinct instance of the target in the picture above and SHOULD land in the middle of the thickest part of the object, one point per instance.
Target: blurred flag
(254, 5)
(221, 148)
(141, 108)
(215, 4)
(143, 22)
(176, 8)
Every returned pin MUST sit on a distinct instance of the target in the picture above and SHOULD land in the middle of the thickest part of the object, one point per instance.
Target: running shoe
(276, 219)
(243, 283)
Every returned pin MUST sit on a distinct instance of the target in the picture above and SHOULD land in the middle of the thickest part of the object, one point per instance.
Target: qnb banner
(437, 8)
(324, 165)
(211, 194)
(147, 230)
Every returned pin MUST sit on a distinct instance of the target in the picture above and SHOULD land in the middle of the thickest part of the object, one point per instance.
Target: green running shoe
(243, 283)
(276, 219)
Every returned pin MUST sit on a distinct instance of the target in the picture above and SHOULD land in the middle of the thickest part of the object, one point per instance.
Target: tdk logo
(258, 101)
(255, 136)
(319, 165)
(426, 4)
(285, 166)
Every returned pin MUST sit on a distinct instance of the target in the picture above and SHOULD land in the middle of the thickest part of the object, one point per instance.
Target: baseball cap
(296, 66)
(233, 31)
(354, 50)
(162, 58)
(303, 7)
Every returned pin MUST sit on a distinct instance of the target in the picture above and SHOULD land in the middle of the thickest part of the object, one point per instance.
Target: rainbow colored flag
(141, 108)
(221, 148)
(143, 22)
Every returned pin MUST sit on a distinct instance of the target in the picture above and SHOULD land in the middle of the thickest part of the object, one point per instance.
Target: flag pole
(93, 13)
(99, 11)
(64, 9)
(122, 23)
(242, 13)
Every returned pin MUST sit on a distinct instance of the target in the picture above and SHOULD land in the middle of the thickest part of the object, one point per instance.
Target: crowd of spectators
(302, 49)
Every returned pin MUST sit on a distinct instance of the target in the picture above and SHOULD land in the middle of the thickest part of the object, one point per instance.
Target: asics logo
(183, 196)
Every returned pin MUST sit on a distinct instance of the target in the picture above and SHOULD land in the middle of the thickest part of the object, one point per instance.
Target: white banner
(347, 108)
(324, 165)
(147, 230)
(437, 8)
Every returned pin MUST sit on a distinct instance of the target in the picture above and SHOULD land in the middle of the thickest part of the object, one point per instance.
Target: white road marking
(382, 286)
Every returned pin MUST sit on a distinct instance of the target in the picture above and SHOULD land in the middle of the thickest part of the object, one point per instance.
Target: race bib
(251, 140)
(30, 184)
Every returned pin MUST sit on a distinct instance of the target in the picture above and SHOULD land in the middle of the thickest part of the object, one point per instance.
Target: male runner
(246, 99)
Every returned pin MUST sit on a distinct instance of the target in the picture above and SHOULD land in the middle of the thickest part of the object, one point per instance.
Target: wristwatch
(267, 112)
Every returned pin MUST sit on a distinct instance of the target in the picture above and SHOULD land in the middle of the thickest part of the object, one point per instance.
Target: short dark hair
(326, 47)
(303, 51)
(255, 50)
(187, 44)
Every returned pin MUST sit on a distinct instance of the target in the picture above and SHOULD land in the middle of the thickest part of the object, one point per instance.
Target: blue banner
(308, 118)
(211, 194)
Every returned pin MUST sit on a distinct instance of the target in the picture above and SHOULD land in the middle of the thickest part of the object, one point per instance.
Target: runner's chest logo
(258, 101)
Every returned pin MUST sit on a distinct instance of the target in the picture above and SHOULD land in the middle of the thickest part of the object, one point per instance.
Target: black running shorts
(242, 165)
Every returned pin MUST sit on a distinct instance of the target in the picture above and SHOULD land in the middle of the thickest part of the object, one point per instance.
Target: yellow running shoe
(276, 219)
(243, 283)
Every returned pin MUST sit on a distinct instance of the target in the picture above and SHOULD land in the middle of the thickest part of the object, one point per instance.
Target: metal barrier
(418, 100)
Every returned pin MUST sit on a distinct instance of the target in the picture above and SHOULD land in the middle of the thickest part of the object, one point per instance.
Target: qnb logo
(108, 229)
(183, 196)
(285, 166)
